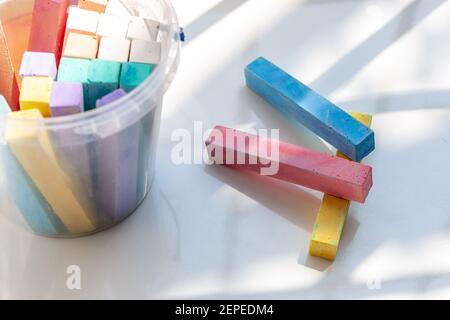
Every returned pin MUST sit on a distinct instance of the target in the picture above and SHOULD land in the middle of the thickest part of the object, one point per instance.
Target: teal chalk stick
(75, 70)
(307, 107)
(103, 78)
(35, 209)
(133, 74)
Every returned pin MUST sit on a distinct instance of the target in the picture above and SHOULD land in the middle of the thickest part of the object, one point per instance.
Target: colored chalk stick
(114, 49)
(116, 7)
(67, 98)
(16, 19)
(331, 217)
(143, 29)
(48, 26)
(133, 74)
(9, 87)
(311, 169)
(145, 51)
(35, 94)
(75, 70)
(296, 100)
(40, 64)
(112, 26)
(93, 5)
(110, 97)
(103, 78)
(79, 45)
(117, 168)
(82, 20)
(31, 146)
(36, 211)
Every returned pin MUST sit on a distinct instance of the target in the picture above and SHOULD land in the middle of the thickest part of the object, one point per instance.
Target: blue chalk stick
(321, 116)
(35, 209)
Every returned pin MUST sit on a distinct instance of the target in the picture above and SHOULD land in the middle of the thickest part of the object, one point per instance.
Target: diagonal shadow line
(211, 17)
(401, 101)
(348, 66)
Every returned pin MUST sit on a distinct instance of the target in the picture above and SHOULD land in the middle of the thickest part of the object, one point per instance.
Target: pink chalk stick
(48, 26)
(336, 176)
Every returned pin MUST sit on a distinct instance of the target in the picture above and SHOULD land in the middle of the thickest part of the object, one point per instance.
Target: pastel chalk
(93, 5)
(110, 97)
(117, 168)
(80, 45)
(82, 20)
(145, 51)
(16, 19)
(133, 74)
(117, 8)
(332, 214)
(67, 98)
(9, 87)
(36, 211)
(35, 93)
(321, 116)
(38, 64)
(143, 29)
(103, 78)
(31, 146)
(114, 49)
(48, 26)
(112, 26)
(75, 70)
(336, 176)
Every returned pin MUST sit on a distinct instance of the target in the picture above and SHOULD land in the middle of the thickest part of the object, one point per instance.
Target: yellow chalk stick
(35, 93)
(332, 215)
(31, 146)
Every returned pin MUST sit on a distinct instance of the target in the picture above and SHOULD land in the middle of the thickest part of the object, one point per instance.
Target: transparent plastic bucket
(80, 174)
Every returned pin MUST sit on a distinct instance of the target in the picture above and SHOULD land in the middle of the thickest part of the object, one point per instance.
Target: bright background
(209, 232)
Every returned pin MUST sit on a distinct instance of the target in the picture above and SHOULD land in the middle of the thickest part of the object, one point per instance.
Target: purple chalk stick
(38, 64)
(113, 96)
(67, 98)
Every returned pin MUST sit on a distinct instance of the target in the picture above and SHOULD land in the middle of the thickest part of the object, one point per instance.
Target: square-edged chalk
(110, 97)
(48, 26)
(103, 78)
(75, 70)
(82, 20)
(112, 26)
(79, 45)
(115, 7)
(145, 51)
(38, 64)
(133, 74)
(67, 98)
(143, 29)
(114, 49)
(299, 102)
(35, 93)
(93, 5)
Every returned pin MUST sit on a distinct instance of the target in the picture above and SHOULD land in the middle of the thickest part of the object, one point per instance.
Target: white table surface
(210, 232)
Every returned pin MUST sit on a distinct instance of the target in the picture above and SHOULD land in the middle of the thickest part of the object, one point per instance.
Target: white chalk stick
(82, 20)
(114, 49)
(112, 26)
(145, 51)
(143, 29)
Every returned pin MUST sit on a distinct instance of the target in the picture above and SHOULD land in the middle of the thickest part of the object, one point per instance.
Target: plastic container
(80, 174)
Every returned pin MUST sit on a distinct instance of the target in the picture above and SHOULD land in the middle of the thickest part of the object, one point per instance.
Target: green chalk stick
(103, 78)
(133, 74)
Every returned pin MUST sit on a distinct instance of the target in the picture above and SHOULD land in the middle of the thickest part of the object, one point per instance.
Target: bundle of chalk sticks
(341, 178)
(78, 57)
(61, 58)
